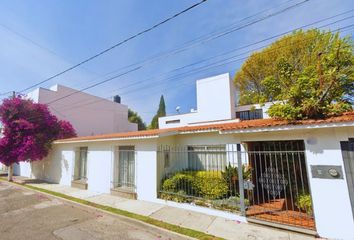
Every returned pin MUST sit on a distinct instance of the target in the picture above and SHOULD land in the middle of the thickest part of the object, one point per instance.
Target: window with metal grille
(124, 173)
(81, 164)
(207, 158)
(250, 114)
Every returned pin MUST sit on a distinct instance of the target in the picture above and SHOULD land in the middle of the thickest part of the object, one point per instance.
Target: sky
(39, 39)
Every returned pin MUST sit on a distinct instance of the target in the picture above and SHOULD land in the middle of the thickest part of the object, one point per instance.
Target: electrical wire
(116, 45)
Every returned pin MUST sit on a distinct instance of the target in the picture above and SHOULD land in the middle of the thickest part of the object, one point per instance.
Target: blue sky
(41, 38)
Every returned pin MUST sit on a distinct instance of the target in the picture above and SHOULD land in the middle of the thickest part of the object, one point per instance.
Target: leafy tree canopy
(161, 112)
(135, 118)
(29, 130)
(308, 74)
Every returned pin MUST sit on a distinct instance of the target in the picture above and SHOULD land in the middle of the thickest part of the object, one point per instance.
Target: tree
(133, 117)
(29, 130)
(307, 74)
(161, 112)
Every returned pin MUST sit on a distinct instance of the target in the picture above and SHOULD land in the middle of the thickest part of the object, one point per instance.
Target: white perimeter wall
(59, 165)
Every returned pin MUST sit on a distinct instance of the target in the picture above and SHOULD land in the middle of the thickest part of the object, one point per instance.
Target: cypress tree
(161, 112)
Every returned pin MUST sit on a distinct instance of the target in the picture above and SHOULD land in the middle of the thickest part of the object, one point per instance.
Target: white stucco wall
(332, 208)
(22, 169)
(89, 115)
(58, 166)
(215, 102)
(99, 165)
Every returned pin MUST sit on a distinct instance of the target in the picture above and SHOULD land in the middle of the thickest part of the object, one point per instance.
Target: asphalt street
(27, 214)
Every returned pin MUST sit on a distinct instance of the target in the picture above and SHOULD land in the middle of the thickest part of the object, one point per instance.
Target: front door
(348, 159)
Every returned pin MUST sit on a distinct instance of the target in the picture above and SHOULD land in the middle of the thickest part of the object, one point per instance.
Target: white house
(293, 175)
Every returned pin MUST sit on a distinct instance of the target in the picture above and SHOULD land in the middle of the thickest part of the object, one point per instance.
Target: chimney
(116, 99)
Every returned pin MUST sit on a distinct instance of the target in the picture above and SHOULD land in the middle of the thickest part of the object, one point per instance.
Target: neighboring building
(216, 102)
(89, 115)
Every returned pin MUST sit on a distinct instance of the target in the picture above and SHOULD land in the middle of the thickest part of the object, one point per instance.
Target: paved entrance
(25, 214)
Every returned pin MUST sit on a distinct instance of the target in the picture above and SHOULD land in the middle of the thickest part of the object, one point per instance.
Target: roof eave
(289, 127)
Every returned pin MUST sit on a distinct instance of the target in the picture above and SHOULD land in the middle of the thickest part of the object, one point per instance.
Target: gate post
(240, 180)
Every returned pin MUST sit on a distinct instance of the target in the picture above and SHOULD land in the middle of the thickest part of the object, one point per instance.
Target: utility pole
(10, 171)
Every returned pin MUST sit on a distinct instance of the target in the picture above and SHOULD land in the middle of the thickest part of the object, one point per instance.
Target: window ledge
(79, 183)
(124, 192)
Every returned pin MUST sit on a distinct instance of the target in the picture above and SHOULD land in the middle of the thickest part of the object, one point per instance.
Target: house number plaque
(327, 171)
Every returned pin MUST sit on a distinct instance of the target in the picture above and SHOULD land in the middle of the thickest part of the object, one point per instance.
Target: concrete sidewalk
(216, 226)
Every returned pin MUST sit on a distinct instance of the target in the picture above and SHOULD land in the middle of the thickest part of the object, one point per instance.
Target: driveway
(26, 214)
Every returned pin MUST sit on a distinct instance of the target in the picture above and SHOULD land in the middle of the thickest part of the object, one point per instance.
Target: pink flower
(29, 130)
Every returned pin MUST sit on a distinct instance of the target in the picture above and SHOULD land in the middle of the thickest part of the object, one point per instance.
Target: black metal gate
(280, 191)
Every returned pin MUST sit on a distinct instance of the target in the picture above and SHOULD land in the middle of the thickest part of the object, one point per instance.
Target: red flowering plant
(29, 130)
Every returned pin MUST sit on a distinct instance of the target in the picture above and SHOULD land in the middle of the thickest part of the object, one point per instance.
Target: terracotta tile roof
(249, 124)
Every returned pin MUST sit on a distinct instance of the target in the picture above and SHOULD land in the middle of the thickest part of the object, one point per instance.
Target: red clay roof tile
(259, 123)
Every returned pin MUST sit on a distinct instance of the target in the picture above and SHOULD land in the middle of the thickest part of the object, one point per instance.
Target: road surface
(26, 214)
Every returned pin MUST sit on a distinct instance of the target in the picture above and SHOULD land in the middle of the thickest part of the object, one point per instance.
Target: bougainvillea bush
(29, 130)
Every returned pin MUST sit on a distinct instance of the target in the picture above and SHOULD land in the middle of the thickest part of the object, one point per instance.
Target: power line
(219, 63)
(219, 34)
(139, 67)
(94, 85)
(117, 44)
(349, 27)
(23, 36)
(215, 64)
(246, 46)
(211, 36)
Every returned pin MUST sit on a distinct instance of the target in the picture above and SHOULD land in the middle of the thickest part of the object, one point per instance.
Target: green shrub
(304, 202)
(210, 185)
(206, 184)
(179, 182)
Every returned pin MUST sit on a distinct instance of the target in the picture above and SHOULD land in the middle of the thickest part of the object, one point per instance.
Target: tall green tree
(161, 112)
(307, 74)
(134, 117)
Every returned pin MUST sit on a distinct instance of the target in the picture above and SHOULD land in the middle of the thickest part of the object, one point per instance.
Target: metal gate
(266, 181)
(280, 191)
